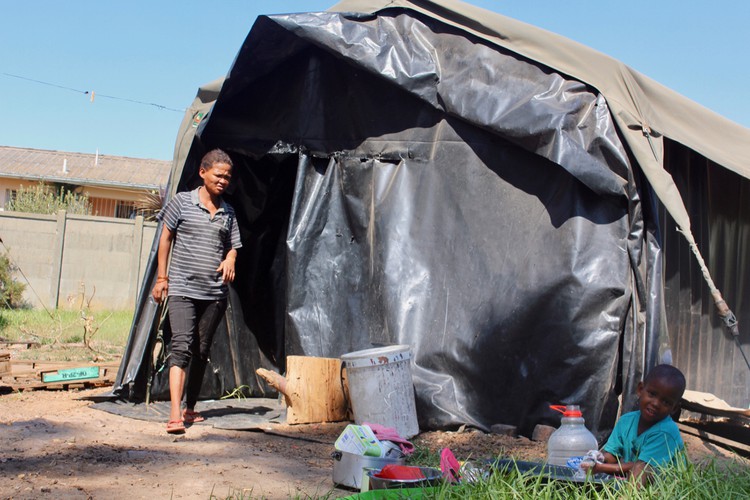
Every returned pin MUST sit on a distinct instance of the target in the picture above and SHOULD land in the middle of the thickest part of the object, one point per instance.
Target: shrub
(150, 204)
(42, 199)
(11, 291)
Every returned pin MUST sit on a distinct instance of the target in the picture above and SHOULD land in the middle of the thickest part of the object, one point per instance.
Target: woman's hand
(226, 268)
(160, 290)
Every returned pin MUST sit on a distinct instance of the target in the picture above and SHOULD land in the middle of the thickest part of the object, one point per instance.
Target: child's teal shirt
(656, 446)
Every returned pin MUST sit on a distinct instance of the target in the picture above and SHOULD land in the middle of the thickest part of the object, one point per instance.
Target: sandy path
(56, 446)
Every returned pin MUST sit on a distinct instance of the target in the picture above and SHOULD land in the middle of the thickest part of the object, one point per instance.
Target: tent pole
(726, 314)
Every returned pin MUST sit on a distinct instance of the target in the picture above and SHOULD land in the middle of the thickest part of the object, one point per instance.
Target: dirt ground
(53, 444)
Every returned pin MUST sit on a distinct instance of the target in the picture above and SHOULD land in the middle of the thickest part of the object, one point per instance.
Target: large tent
(540, 223)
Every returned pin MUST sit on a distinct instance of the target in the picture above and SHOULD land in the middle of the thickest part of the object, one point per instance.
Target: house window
(107, 207)
(10, 197)
(103, 207)
(125, 209)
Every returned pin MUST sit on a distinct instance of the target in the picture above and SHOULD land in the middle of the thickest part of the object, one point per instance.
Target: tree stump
(313, 389)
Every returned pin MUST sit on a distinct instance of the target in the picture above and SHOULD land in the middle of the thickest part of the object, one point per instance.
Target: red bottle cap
(566, 412)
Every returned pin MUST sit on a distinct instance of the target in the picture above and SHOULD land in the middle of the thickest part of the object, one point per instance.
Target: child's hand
(590, 460)
(588, 465)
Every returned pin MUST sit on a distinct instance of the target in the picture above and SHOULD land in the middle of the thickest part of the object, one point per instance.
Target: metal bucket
(432, 477)
(348, 468)
(381, 390)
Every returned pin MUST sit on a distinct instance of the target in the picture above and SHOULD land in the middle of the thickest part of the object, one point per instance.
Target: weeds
(423, 457)
(237, 393)
(90, 327)
(64, 335)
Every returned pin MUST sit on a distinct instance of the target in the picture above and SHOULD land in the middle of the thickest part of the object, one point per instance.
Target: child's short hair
(668, 373)
(215, 156)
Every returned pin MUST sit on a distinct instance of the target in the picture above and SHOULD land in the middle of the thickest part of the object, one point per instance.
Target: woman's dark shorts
(193, 323)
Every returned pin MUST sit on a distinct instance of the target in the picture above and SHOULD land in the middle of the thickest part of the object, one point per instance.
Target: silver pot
(348, 468)
(432, 477)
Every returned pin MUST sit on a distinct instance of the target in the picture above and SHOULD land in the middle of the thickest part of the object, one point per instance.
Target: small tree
(42, 199)
(150, 204)
(11, 291)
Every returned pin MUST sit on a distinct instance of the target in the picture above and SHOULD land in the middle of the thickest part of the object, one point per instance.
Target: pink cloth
(384, 433)
(449, 465)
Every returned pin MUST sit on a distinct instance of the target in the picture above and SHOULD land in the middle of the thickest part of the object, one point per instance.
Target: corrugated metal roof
(83, 169)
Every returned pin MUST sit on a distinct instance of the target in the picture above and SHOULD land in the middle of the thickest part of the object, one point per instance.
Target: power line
(92, 93)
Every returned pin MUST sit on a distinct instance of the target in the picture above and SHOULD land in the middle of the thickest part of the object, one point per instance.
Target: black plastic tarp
(398, 181)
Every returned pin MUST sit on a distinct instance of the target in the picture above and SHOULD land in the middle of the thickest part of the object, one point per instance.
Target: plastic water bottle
(569, 444)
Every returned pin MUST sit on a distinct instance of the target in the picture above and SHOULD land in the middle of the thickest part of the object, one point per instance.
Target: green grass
(60, 333)
(684, 481)
(725, 480)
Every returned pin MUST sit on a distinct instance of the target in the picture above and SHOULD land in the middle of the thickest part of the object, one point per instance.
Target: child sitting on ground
(648, 437)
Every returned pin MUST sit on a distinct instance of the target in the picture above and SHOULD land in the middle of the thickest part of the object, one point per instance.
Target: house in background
(114, 184)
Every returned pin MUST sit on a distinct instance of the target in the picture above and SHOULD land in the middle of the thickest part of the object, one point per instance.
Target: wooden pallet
(4, 363)
(30, 374)
(695, 429)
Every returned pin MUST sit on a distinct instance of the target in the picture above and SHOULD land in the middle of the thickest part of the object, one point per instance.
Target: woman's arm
(162, 257)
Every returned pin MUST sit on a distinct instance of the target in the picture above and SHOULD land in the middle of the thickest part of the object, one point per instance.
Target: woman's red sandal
(175, 427)
(191, 417)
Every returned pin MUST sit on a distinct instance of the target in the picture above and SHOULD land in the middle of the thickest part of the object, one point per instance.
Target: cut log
(276, 381)
(312, 389)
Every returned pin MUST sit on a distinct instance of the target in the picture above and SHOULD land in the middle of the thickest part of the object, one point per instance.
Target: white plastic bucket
(381, 389)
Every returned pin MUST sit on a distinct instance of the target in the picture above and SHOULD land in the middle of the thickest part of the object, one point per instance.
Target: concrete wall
(64, 259)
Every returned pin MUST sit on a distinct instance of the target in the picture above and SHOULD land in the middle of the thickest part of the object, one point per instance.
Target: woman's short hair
(215, 156)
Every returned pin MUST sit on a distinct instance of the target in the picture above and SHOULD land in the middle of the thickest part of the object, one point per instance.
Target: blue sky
(161, 51)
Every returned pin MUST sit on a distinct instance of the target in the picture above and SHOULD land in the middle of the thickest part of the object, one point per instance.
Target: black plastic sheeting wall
(398, 181)
(718, 202)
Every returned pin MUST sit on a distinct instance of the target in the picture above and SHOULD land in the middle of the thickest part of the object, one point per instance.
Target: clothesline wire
(87, 92)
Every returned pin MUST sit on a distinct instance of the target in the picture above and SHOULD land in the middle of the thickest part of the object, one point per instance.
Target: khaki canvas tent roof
(398, 181)
(645, 110)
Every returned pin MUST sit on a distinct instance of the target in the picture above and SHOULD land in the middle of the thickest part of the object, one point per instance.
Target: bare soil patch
(53, 444)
